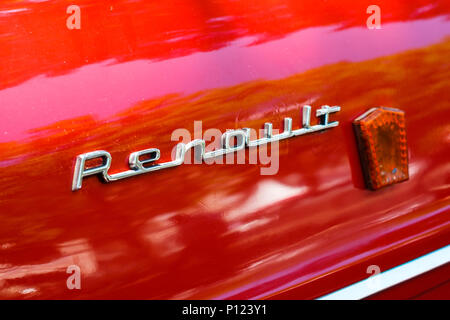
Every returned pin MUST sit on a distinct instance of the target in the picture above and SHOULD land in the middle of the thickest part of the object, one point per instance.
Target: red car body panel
(138, 70)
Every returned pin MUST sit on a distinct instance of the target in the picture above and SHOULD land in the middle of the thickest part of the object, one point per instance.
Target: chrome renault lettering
(242, 137)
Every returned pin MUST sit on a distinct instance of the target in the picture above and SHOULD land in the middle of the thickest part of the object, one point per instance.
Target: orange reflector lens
(383, 150)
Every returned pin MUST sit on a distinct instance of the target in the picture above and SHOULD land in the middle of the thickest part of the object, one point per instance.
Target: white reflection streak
(162, 233)
(77, 252)
(268, 193)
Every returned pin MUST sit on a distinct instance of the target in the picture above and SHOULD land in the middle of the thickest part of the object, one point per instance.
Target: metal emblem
(242, 141)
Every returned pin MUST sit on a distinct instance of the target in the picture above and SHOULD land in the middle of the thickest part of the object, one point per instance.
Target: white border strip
(392, 277)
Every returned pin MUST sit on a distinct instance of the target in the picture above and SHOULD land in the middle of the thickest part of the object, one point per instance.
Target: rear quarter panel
(138, 70)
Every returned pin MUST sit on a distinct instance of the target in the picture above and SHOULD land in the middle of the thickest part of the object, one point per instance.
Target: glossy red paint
(138, 70)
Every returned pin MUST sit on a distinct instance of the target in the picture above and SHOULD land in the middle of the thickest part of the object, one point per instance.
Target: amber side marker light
(383, 149)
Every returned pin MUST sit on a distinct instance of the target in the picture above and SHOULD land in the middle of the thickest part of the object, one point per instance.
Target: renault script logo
(242, 137)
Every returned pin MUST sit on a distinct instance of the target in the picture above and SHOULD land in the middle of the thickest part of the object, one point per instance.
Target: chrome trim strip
(392, 277)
